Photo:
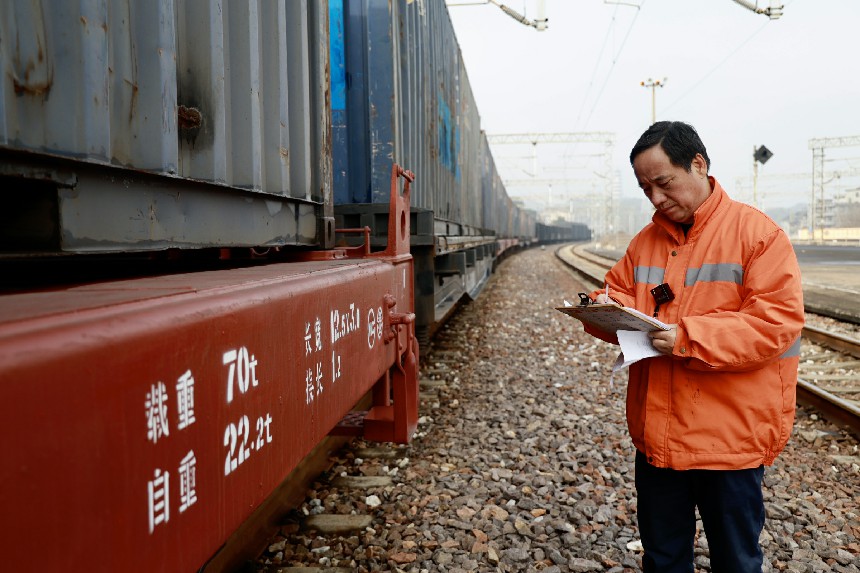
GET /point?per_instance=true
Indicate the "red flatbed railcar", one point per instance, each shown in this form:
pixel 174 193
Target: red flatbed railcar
pixel 143 420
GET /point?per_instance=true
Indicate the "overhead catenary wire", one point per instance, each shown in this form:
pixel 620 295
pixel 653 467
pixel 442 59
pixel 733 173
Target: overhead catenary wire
pixel 597 64
pixel 600 58
pixel 612 67
pixel 718 66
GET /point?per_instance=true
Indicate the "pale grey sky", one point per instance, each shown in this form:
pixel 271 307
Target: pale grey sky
pixel 741 79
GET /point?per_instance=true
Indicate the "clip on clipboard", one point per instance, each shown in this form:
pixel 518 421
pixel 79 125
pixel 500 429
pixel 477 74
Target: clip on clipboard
pixel 612 317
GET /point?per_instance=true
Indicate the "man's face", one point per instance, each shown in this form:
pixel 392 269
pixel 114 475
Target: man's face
pixel 671 189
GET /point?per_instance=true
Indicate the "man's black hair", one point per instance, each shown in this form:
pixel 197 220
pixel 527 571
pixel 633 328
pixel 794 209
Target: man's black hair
pixel 678 139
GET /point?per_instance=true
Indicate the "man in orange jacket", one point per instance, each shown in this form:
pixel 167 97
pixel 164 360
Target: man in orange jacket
pixel 718 404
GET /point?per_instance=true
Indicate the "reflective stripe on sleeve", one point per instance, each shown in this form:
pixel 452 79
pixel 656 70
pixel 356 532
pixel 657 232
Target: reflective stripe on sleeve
pixel 793 350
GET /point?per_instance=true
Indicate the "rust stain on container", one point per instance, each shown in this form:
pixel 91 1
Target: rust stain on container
pixel 133 105
pixel 189 117
pixel 26 87
pixel 30 68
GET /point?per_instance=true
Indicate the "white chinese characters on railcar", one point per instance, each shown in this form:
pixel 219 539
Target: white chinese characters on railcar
pixel 308 348
pixel 185 400
pixel 309 385
pixel 313 383
pixel 313 374
pixel 159 499
pixel 156 412
pixel 157 427
pixel 187 481
pixel 318 334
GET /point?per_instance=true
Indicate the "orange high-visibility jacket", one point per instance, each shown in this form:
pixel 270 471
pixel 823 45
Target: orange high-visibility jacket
pixel 725 399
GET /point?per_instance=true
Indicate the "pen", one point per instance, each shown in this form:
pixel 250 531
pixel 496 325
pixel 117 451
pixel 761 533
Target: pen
pixel 607 291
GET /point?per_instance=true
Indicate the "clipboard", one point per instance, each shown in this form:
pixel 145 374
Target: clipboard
pixel 612 317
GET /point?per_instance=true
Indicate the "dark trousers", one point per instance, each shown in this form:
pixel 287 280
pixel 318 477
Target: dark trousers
pixel 731 507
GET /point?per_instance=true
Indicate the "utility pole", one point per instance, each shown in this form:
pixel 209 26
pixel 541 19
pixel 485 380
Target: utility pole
pixel 653 84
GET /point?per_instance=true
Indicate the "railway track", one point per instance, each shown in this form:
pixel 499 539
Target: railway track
pixel 829 377
pixel 521 446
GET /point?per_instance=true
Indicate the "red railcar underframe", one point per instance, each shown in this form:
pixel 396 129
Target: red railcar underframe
pixel 141 421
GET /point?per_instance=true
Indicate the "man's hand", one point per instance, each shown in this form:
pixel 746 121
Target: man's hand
pixel 664 340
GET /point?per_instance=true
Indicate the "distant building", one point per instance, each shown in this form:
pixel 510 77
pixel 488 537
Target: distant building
pixel 633 214
pixel 846 207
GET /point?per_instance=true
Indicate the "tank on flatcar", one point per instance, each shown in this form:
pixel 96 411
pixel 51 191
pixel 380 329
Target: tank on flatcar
pixel 140 126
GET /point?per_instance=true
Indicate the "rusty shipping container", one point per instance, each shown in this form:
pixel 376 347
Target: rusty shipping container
pixel 129 125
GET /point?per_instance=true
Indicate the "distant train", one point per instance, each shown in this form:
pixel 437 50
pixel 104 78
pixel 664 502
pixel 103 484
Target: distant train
pixel 190 303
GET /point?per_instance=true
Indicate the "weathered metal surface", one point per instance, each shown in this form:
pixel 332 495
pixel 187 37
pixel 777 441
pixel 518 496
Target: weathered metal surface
pixel 141 421
pixel 493 195
pixel 408 98
pixel 234 94
pixel 402 92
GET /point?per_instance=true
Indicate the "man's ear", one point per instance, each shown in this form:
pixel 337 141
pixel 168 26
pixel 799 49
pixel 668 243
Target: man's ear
pixel 699 165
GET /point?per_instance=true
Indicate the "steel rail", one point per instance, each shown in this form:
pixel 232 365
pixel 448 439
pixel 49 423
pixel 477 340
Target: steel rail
pixel 845 412
pixel 833 340
pixel 833 407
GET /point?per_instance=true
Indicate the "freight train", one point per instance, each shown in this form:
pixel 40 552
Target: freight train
pixel 212 260
pixel 417 107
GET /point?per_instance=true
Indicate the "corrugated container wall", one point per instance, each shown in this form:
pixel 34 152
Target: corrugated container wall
pixel 491 188
pixel 528 223
pixel 470 154
pixel 231 94
pixel 407 99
